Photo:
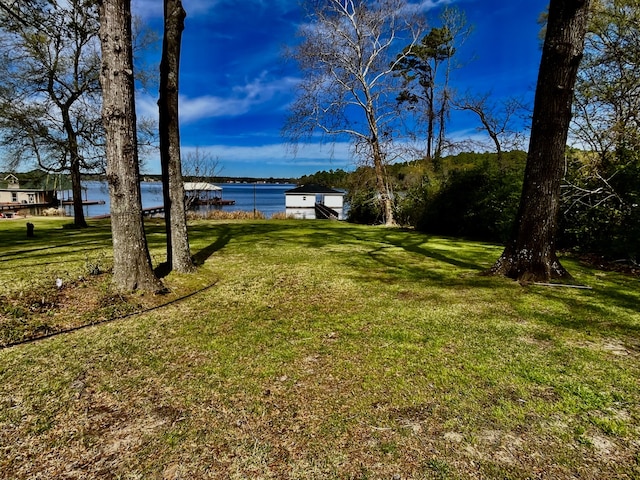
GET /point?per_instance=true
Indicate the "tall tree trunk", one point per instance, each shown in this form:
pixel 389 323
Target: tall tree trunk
pixel 386 202
pixel 74 171
pixel 531 253
pixel 76 189
pixel 431 120
pixel 131 261
pixel 178 253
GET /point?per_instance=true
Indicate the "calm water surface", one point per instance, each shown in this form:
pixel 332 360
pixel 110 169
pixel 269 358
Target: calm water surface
pixel 266 198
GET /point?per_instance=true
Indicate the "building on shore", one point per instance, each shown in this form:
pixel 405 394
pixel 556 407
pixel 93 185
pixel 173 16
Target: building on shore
pixel 14 199
pixel 314 202
pixel 203 193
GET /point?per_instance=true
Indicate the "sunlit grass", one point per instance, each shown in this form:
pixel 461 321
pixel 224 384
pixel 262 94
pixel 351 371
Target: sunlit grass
pixel 327 350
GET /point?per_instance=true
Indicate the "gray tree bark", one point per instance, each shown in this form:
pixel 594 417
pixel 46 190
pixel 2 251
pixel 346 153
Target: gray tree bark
pixel 531 253
pixel 178 253
pixel 131 261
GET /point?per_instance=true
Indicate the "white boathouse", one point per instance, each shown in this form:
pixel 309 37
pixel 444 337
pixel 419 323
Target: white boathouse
pixel 314 201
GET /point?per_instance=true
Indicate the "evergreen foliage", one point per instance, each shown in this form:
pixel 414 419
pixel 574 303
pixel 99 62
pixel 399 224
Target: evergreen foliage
pixel 471 195
pixel 332 178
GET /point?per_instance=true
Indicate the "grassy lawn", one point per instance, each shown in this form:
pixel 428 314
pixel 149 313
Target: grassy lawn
pixel 311 350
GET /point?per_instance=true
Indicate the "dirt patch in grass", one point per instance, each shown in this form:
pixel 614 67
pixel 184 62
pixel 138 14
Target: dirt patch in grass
pixel 45 310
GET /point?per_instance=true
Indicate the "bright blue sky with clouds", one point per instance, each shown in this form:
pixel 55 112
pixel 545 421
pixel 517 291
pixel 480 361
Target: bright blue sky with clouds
pixel 235 88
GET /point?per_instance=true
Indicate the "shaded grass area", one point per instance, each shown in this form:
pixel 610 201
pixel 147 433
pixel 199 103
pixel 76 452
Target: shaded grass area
pixel 325 350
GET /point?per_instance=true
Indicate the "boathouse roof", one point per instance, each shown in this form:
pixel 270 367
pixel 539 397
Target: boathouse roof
pixel 200 187
pixel 312 189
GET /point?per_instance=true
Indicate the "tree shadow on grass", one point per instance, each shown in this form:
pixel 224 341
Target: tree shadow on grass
pixel 314 235
pixel 417 243
pixel 595 311
pixel 203 254
pixel 420 250
pixel 53 243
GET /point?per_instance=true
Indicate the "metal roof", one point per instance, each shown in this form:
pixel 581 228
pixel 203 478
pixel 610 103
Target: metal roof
pixel 313 189
pixel 200 187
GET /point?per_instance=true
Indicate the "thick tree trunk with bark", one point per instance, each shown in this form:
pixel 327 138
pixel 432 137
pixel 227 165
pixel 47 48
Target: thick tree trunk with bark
pixel 74 171
pixel 178 253
pixel 531 253
pixel 76 189
pixel 131 261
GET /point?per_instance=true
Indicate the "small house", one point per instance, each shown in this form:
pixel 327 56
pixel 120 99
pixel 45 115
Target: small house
pixel 314 201
pixel 13 198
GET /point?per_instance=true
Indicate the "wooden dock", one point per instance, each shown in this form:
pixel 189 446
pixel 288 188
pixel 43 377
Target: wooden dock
pixel 146 212
pixel 84 202
pixel 14 207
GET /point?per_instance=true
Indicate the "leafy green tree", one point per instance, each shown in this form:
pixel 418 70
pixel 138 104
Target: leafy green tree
pixel 362 197
pixel 332 178
pixel 478 201
pixel 425 69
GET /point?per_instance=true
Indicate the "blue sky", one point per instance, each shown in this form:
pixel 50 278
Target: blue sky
pixel 235 87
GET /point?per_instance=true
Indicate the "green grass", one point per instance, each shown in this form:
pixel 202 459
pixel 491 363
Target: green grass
pixel 324 350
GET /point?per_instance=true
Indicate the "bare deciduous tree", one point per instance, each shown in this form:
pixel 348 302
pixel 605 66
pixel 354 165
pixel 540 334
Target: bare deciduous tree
pixel 496 120
pixel 50 95
pixel 347 56
pixel 606 118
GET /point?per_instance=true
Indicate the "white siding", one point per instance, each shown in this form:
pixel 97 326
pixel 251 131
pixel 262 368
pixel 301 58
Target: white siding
pixel 22 196
pixel 300 201
pixel 334 201
pixel 301 213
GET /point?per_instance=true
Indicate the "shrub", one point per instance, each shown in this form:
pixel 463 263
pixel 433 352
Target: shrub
pixel 364 207
pixel 602 217
pixel 479 203
pixel 225 215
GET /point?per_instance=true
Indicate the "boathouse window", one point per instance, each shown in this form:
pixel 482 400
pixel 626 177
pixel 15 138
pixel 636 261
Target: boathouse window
pixel 14 196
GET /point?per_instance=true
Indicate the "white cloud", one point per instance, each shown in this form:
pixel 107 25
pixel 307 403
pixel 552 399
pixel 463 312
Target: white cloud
pixel 426 5
pixel 155 9
pixel 279 153
pixel 194 109
pixel 241 100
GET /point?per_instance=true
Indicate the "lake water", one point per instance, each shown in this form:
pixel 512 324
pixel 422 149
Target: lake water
pixel 266 198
